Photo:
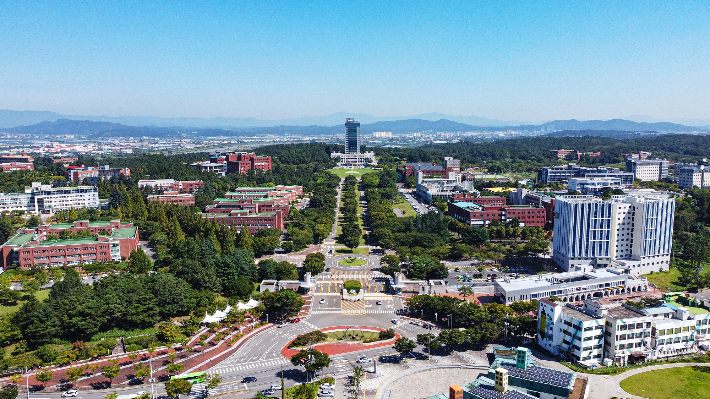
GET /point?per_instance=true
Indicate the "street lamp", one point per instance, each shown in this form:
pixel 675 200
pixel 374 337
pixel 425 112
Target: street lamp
pixel 267 318
pixel 451 321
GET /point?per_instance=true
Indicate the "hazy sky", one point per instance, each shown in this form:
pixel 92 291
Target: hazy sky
pixel 526 60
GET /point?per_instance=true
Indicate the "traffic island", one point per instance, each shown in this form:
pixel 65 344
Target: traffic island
pixel 339 340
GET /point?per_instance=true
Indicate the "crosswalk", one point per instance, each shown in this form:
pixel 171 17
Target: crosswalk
pixel 251 365
pixel 354 312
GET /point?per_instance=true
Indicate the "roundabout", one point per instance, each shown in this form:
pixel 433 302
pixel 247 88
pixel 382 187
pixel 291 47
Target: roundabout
pixel 346 339
pixel 352 262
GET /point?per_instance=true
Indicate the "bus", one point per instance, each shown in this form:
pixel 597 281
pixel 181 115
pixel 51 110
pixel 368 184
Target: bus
pixel 194 378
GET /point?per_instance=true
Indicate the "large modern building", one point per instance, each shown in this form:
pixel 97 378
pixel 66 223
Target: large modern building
pixel 173 198
pixel 648 169
pixel 570 287
pixel 240 162
pixel 352 157
pixel 53 244
pixel 523 196
pixel 243 162
pixel 594 185
pixel 474 214
pixel 17 158
pixel 186 186
pixel 634 231
pixel 693 176
pixel 561 173
pixel 352 136
pixel 45 198
pixel 13 166
pixel 573 332
pixel 257 207
pixel 442 188
pixel 93 174
pixel 620 334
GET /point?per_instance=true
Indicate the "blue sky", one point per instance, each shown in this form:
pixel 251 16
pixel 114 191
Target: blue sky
pixel 507 60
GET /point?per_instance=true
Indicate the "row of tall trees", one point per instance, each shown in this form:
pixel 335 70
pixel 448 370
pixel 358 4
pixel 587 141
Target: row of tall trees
pixel 351 232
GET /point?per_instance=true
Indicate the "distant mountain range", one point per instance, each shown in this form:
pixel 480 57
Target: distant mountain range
pixel 624 128
pixel 97 128
pixel 10 118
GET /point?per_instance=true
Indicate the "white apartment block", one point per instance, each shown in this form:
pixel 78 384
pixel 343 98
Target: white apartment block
pixel 15 202
pixel 52 199
pixel 574 333
pixel 634 231
pixel 648 169
pixel 694 176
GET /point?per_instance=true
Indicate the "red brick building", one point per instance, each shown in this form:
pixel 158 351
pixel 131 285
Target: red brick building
pixel 258 207
pixel 254 221
pixel 243 162
pixel 427 168
pixel 17 158
pixel 31 248
pixel 10 166
pixel 286 194
pixel 77 174
pixel 184 186
pixel 487 200
pixel 174 198
pixel 478 215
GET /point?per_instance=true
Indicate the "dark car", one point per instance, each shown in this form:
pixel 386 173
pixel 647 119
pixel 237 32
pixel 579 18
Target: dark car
pixel 249 379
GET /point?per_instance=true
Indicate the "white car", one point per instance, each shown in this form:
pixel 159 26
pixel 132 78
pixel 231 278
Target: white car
pixel 322 300
pixel 394 321
pixel 275 387
pixel 364 360
pixel 70 393
pixel 327 385
pixel 322 394
pixel 282 325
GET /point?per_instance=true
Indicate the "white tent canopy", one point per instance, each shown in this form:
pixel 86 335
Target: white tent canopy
pixel 218 316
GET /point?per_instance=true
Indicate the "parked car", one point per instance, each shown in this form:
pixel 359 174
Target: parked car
pixel 379 302
pixel 249 379
pixel 267 392
pixel 416 323
pixel 364 359
pixel 327 385
pixel 282 324
pixel 322 300
pixel 322 394
pixel 276 387
pixel 70 393
pixel 296 320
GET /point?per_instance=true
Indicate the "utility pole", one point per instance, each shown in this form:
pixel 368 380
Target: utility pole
pixel 451 321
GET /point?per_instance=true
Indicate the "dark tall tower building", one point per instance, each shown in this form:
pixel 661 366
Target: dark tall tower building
pixel 352 136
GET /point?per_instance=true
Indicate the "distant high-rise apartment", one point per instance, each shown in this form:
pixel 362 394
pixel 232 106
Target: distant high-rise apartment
pixel 632 231
pixel 352 136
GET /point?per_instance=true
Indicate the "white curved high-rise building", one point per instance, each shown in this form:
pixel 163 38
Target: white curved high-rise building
pixel 633 230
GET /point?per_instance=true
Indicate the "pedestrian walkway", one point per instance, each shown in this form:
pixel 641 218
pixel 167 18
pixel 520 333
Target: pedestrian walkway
pixel 250 365
pixel 352 308
pixel 367 311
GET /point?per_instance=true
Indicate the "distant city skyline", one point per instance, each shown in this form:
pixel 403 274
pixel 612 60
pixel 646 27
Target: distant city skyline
pixel 512 61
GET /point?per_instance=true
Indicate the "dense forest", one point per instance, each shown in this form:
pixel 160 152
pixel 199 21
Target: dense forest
pixel 529 154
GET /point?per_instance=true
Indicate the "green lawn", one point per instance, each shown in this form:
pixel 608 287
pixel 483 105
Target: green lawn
pixel 666 280
pixel 679 382
pixel 347 251
pixel 340 172
pixel 40 295
pixel 406 209
pixel 352 262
